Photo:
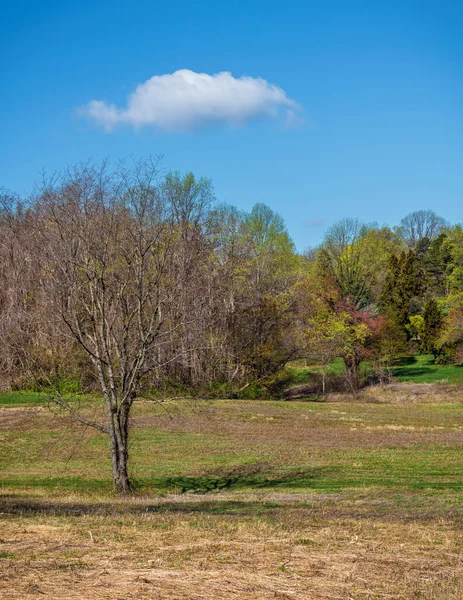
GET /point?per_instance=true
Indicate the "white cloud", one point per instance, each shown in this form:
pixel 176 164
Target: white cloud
pixel 187 100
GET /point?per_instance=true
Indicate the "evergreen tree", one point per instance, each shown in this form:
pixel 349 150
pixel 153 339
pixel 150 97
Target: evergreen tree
pixel 435 262
pixel 432 326
pixel 403 284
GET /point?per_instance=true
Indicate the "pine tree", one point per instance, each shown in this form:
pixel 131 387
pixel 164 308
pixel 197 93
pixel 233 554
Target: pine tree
pixel 433 321
pixel 403 283
pixel 435 262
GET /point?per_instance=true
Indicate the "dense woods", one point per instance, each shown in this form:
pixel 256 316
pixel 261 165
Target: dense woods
pixel 131 282
pixel 143 279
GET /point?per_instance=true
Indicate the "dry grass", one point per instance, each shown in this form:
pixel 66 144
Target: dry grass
pixel 177 547
pixel 363 527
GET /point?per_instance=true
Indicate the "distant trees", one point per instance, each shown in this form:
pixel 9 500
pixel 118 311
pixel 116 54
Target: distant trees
pixel 26 321
pixel 432 326
pixel 341 256
pixel 450 342
pixel 188 201
pixel 402 287
pixel 137 279
pixel 332 327
pixel 136 282
pixel 319 327
pixel 262 323
pixel 418 225
pixel 451 267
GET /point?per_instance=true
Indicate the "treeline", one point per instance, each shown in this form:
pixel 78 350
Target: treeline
pixel 139 282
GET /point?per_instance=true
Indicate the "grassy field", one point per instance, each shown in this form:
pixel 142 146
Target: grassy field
pixel 413 369
pixel 350 498
pixel 421 369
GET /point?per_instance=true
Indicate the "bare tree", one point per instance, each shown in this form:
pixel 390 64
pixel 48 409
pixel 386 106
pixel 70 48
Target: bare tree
pixel 190 200
pixel 107 238
pixel 18 286
pixel 418 225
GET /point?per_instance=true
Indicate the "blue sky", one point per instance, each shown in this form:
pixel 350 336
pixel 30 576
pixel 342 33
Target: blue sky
pixel 379 85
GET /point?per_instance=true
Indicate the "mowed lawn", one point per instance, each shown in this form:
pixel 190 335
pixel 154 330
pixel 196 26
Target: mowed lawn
pixel 356 498
pixel 421 369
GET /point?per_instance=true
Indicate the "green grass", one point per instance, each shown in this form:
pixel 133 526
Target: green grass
pixel 415 369
pixel 40 399
pixel 22 398
pixel 421 369
pixel 249 445
pixel 304 374
pixel 358 498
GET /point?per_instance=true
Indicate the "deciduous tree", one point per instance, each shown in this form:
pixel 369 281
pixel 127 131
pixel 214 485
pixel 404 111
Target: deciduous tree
pixel 107 244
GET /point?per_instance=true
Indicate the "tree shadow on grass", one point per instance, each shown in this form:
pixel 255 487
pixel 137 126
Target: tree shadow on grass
pixel 413 371
pixel 404 360
pixel 251 477
pixel 247 477
pixel 254 476
pixel 317 511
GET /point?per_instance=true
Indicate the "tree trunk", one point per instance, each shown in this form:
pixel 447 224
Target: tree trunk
pixel 352 366
pixel 119 434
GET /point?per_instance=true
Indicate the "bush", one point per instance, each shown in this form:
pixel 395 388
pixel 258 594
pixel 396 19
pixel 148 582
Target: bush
pixel 64 384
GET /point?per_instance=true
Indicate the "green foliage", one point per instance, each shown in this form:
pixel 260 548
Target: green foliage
pixel 403 284
pixel 452 247
pixel 416 327
pixel 60 382
pixel 436 262
pixel 432 325
pixel 450 342
pixel 252 391
pixel 341 256
pixel 219 389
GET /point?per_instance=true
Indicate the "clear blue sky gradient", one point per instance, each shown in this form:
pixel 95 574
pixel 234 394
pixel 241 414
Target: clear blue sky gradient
pixel 381 84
